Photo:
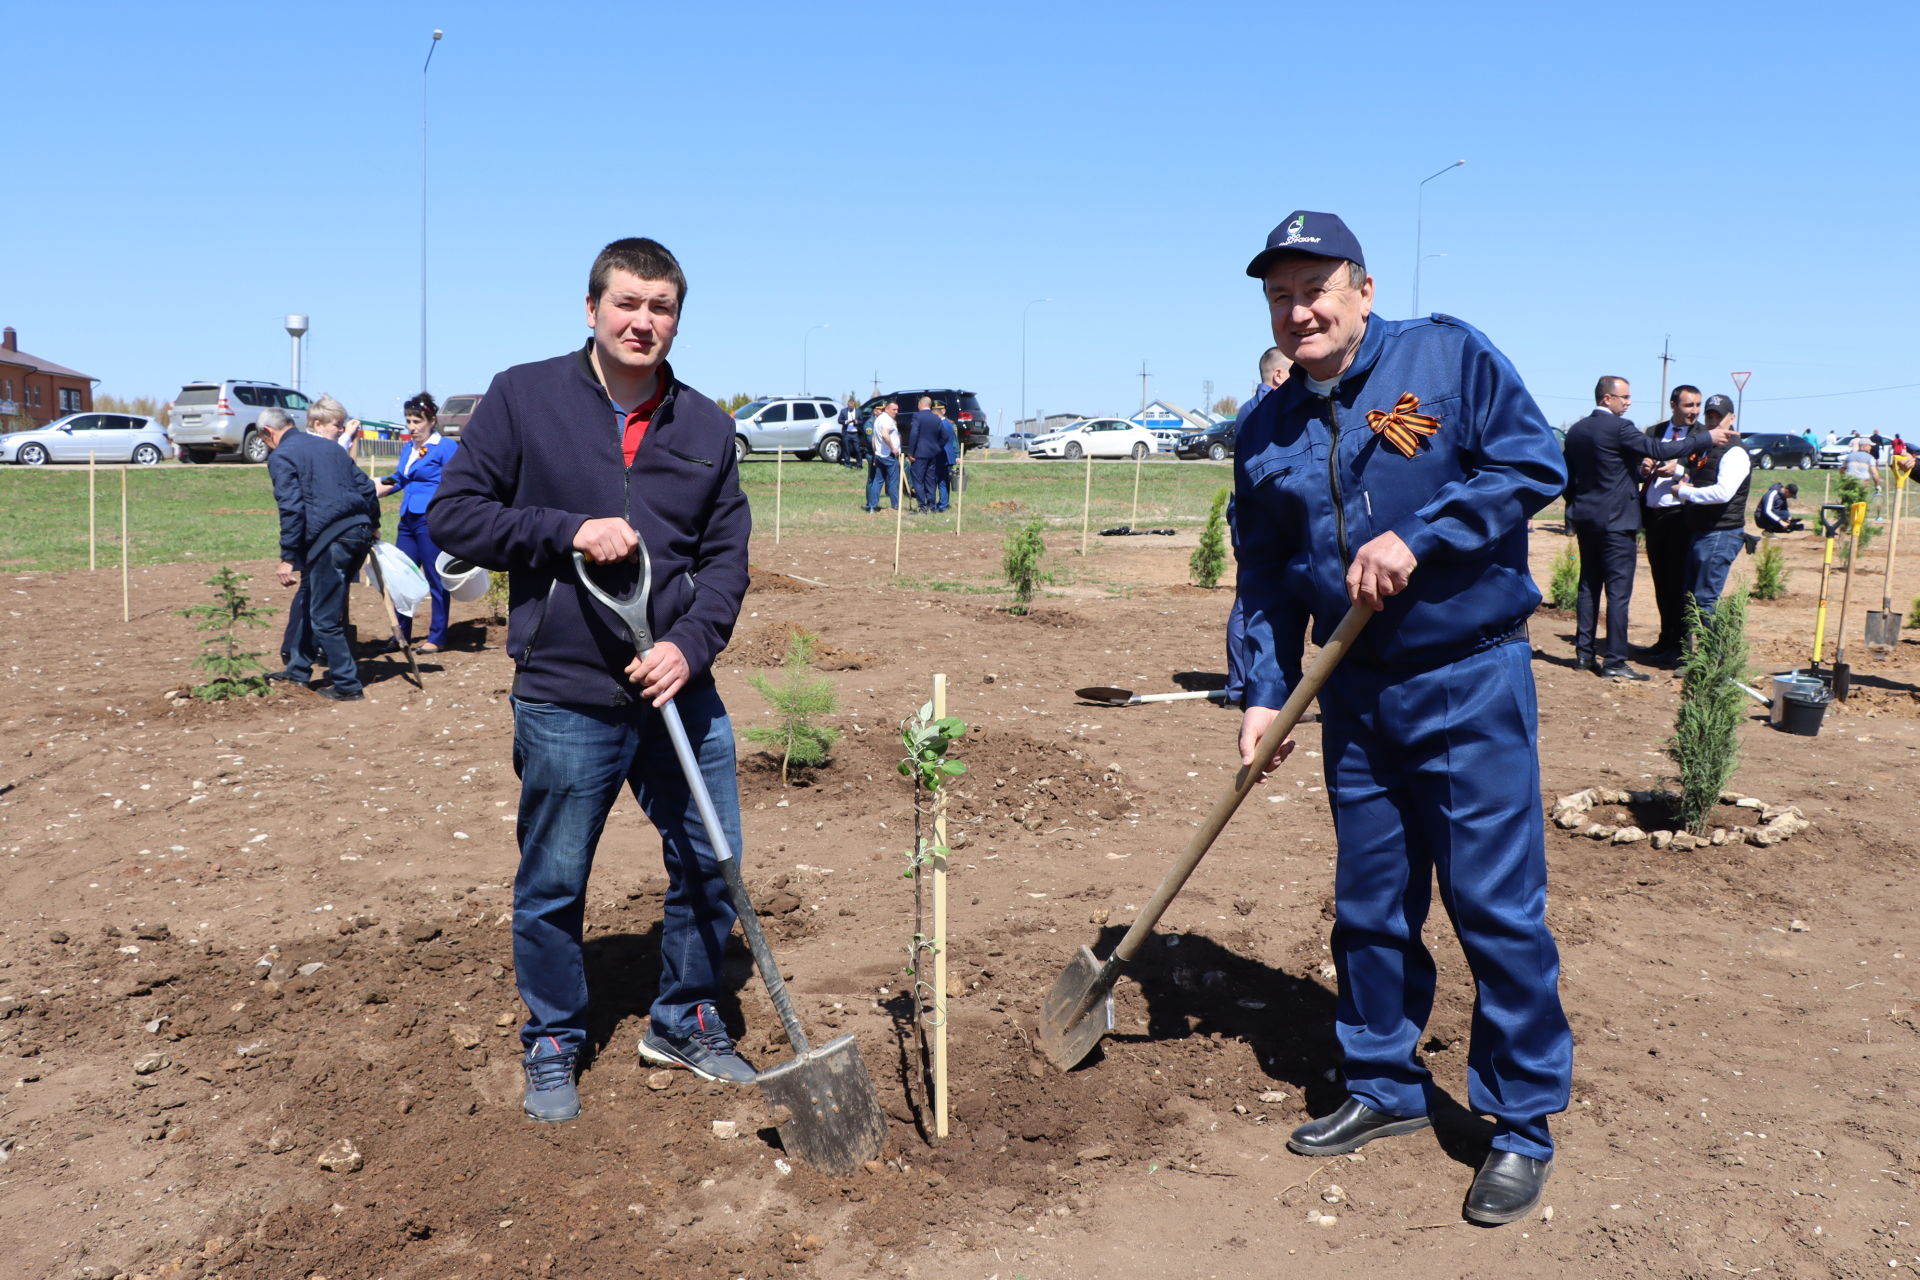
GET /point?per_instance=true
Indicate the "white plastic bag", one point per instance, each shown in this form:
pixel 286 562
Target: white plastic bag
pixel 405 583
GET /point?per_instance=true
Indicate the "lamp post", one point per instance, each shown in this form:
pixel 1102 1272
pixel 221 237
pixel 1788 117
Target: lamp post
pixel 1419 216
pixel 1023 353
pixel 804 389
pixel 435 44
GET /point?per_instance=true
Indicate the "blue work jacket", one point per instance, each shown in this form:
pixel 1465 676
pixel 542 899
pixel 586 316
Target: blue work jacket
pixel 418 475
pixel 1313 483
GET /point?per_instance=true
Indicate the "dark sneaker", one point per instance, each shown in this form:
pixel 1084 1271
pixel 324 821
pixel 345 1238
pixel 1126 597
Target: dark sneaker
pixel 708 1052
pixel 332 693
pixel 551 1094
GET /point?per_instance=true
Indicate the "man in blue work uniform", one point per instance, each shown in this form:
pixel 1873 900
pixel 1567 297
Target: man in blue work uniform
pixel 1396 469
pixel 1274 367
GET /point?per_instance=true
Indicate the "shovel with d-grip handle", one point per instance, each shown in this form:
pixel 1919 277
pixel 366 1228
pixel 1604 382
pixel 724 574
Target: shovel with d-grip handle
pixel 393 617
pixel 1883 624
pixel 834 1118
pixel 1842 673
pixel 1832 516
pixel 1079 1009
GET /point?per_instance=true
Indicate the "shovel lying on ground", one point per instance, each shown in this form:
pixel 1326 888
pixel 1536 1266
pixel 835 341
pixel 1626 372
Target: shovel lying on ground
pixel 1883 624
pixel 1079 1009
pixel 1110 697
pixel 834 1119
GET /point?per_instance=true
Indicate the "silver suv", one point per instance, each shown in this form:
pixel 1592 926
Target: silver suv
pixel 215 418
pixel 803 426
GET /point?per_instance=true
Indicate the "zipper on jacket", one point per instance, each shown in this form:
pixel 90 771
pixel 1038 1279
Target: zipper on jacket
pixel 1333 485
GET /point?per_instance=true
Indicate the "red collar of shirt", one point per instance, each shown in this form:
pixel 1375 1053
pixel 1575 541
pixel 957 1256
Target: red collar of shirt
pixel 638 420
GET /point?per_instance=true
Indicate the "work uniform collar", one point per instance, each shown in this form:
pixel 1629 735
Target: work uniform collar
pixel 1294 391
pixel 669 385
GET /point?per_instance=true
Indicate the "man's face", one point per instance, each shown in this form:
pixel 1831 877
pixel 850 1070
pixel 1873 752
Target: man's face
pixel 634 323
pixel 1318 318
pixel 1620 399
pixel 1715 417
pixel 1686 408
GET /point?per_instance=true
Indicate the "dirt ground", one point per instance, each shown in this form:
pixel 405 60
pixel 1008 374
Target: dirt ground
pixel 245 942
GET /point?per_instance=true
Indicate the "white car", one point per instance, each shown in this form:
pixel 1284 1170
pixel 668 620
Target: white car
pixel 109 437
pixel 1095 438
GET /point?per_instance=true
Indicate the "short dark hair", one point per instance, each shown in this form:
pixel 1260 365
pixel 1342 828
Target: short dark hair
pixel 648 259
pixel 1673 401
pixel 422 406
pixel 1607 386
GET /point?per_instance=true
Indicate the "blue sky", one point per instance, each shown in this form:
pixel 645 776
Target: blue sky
pixel 1741 178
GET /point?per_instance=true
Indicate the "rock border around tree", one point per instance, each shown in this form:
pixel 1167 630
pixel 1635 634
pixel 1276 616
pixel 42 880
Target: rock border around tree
pixel 1775 823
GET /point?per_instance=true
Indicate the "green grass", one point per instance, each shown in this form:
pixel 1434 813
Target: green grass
pixel 217 514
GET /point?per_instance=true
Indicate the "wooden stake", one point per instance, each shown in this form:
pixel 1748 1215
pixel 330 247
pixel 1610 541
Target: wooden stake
pixel 92 560
pixel 1134 519
pixel 777 456
pixel 1086 506
pixel 940 934
pixel 899 512
pixel 126 593
pixel 960 492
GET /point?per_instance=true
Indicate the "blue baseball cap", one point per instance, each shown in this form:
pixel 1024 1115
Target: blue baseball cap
pixel 1317 235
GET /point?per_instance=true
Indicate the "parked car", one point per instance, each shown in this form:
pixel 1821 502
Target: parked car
pixel 1216 442
pixel 109 437
pixel 963 411
pixel 212 419
pixel 1832 455
pixel 455 412
pixel 1095 438
pixel 805 426
pixel 1771 449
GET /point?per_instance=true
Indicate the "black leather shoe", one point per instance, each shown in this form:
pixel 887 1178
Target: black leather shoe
pixel 1507 1187
pixel 1621 671
pixel 1351 1127
pixel 331 694
pixel 284 674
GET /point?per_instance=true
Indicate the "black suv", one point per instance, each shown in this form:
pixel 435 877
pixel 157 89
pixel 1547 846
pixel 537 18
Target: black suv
pixel 1216 442
pixel 963 411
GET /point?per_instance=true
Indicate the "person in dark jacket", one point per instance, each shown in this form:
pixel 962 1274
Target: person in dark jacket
pixel 328 516
pixel 925 441
pixel 423 459
pixel 1663 523
pixel 1775 514
pixel 1715 492
pixel 1603 453
pixel 592 452
pixel 850 434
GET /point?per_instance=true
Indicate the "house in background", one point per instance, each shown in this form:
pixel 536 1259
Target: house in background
pixel 35 391
pixel 1168 422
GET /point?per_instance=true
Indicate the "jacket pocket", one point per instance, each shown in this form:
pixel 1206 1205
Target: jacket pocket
pixel 687 457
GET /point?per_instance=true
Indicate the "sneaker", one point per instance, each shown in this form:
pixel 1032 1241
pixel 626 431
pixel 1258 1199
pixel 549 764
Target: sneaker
pixel 551 1095
pixel 708 1052
pixel 333 693
pixel 286 674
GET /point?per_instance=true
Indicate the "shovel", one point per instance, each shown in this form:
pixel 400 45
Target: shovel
pixel 1079 1009
pixel 834 1119
pixel 1110 697
pixel 1842 673
pixel 393 618
pixel 1883 624
pixel 1831 516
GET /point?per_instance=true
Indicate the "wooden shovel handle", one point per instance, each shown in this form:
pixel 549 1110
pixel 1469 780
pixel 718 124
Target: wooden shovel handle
pixel 1244 782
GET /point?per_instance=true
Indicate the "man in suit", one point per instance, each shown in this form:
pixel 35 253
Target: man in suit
pixel 1665 522
pixel 925 439
pixel 1603 452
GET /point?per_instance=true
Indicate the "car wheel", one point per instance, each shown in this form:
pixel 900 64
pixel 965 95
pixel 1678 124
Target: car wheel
pixel 829 451
pixel 1806 462
pixel 1217 451
pixel 1766 461
pixel 1140 450
pixel 32 455
pixel 1072 450
pixel 146 456
pixel 254 447
pixel 740 450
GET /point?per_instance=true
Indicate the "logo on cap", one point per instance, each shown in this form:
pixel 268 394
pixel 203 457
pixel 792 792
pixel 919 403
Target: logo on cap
pixel 1299 221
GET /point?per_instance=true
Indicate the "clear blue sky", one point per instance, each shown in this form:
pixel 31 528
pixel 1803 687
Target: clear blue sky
pixel 1740 177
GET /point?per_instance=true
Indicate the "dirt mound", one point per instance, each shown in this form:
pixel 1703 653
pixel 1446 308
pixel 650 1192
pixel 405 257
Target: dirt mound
pixel 766 646
pixel 759 579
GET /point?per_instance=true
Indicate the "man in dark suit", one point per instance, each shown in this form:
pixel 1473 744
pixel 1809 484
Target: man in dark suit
pixel 1664 519
pixel 925 439
pixel 1603 452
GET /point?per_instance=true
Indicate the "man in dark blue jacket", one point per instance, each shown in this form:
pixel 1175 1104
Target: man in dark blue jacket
pixel 593 451
pixel 328 515
pixel 1395 470
pixel 1603 456
pixel 925 440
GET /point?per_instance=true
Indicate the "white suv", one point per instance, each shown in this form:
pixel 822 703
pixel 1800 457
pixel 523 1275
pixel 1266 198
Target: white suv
pixel 803 426
pixel 215 418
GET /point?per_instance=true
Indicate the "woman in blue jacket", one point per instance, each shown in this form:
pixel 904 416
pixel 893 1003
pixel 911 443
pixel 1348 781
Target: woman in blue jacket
pixel 418 475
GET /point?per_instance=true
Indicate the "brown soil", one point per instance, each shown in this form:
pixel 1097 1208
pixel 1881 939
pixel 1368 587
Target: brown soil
pixel 238 935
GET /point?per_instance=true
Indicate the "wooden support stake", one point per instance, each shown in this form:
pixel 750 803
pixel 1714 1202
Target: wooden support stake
pixel 940 934
pixel 777 456
pixel 1086 506
pixel 1134 520
pixel 960 492
pixel 899 512
pixel 126 592
pixel 92 542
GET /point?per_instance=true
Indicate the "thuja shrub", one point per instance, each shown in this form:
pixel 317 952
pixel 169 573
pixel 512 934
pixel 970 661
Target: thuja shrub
pixel 1209 559
pixel 1706 729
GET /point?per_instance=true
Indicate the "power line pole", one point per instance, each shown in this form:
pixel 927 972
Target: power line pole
pixel 1665 360
pixel 876 382
pixel 1143 386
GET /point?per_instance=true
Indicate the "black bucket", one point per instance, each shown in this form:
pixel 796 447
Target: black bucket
pixel 1804 710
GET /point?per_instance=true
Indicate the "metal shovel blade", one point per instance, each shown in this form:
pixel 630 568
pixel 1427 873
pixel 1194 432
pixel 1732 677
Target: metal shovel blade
pixel 1078 1011
pixel 835 1122
pixel 1883 628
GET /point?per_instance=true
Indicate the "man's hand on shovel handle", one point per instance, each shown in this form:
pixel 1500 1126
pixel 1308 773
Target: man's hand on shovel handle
pixel 1253 725
pixel 1380 569
pixel 607 540
pixel 661 672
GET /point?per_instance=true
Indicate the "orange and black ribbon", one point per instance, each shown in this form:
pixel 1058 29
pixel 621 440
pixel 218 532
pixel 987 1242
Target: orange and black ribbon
pixel 1403 428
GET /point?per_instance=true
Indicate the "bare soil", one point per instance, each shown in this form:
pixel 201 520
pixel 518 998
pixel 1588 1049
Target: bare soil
pixel 241 938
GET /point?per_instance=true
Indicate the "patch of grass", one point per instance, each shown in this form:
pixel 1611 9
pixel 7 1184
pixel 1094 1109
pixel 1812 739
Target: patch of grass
pixel 215 513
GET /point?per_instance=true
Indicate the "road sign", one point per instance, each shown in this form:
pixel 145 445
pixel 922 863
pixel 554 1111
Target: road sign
pixel 1740 381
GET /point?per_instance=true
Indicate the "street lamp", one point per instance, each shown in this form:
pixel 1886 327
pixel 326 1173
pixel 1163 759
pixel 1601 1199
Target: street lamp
pixel 803 358
pixel 1418 216
pixel 423 206
pixel 1023 353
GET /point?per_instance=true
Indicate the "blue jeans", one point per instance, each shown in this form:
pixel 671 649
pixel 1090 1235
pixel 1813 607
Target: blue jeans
pixel 319 628
pixel 572 761
pixel 1708 561
pixel 417 545
pixel 883 475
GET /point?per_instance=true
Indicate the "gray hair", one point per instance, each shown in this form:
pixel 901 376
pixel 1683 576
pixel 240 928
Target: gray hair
pixel 276 419
pixel 327 409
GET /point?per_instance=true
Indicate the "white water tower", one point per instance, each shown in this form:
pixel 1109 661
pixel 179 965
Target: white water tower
pixel 297 328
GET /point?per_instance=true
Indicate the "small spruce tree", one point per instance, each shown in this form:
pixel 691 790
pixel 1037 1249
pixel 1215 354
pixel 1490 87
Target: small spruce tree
pixel 235 674
pixel 1209 559
pixel 1020 560
pixel 1564 591
pixel 798 700
pixel 1706 730
pixel 1769 571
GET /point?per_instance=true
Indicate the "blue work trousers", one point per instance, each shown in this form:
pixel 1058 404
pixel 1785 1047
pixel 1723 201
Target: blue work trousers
pixel 320 628
pixel 572 761
pixel 1708 561
pixel 883 476
pixel 417 545
pixel 1435 775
